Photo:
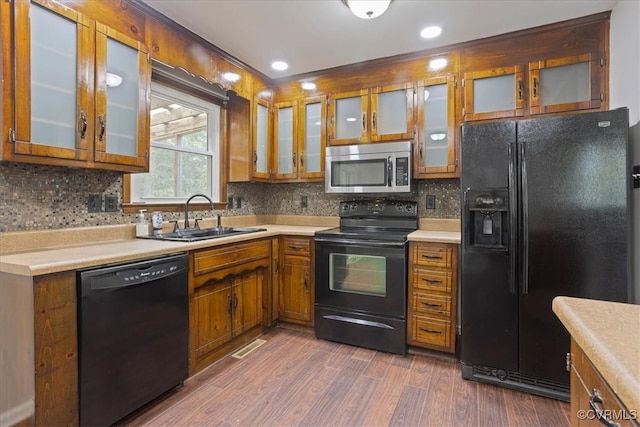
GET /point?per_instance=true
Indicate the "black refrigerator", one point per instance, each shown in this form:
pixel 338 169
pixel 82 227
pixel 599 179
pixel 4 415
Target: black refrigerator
pixel 546 211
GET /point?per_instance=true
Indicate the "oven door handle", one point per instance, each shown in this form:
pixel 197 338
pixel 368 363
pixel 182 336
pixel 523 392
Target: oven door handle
pixel 362 242
pixel 389 172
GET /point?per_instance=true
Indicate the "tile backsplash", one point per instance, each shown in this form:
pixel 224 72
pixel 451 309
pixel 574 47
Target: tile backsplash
pixel 42 197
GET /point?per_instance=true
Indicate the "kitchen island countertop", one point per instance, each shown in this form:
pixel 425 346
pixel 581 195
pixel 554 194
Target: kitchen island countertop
pixel 609 334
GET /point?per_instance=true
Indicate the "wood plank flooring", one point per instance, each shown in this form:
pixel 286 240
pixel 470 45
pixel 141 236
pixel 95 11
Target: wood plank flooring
pixel 295 379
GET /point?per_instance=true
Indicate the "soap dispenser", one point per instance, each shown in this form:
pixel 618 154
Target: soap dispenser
pixel 142 228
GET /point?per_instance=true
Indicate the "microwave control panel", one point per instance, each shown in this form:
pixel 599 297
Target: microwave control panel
pixel 402 171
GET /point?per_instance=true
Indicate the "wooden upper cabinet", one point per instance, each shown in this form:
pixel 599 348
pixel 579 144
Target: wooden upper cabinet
pixel 261 136
pixel 391 115
pixel 299 134
pixel 53 81
pixel 285 140
pixel 121 94
pixel 65 107
pixel 371 115
pixel 348 117
pixel 565 84
pixel 435 150
pixel 494 94
pixel 312 131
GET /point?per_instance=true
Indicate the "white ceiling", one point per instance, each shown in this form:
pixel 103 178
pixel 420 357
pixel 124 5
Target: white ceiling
pixel 313 35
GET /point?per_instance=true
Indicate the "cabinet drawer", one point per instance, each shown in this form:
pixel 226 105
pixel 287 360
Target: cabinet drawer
pixel 433 255
pixel 296 246
pixel 431 280
pixel 223 257
pixel 429 330
pixel 430 304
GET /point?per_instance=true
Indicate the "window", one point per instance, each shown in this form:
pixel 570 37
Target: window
pixel 185 149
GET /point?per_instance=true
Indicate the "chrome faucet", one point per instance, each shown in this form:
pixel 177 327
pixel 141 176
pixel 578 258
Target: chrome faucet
pixel 186 208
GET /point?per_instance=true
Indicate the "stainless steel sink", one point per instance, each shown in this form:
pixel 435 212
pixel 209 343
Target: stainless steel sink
pixel 195 234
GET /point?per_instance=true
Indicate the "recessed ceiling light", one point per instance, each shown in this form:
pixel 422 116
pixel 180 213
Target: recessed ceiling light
pixel 437 64
pixel 231 77
pixel 174 106
pixel 279 65
pixel 431 32
pixel 308 86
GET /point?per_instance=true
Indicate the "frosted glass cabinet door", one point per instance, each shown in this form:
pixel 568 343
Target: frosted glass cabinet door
pixel 285 143
pixel 122 85
pixel 565 84
pixel 348 113
pixel 391 116
pixel 122 100
pixel 495 93
pixel 52 111
pixel 261 139
pixel 313 135
pixel 436 145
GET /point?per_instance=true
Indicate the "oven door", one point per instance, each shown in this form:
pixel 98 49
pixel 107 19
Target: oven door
pixel 362 276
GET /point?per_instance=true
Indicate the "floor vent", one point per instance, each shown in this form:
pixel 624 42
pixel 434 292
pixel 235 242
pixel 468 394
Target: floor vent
pixel 248 349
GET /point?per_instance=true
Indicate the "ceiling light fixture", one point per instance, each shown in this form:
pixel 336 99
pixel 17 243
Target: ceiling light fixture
pixel 367 9
pixel 279 65
pixel 431 32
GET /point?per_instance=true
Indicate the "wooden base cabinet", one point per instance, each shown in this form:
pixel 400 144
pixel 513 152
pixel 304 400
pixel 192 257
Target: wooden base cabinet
pixel 587 386
pixel 227 287
pixel 432 295
pixel 296 280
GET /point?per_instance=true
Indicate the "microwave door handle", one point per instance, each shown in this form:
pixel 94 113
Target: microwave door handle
pixel 389 171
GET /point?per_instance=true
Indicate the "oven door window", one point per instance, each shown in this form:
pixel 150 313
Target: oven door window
pixel 358 274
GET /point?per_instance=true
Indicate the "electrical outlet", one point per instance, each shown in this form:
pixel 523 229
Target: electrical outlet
pixel 110 203
pixel 230 202
pixel 431 201
pixel 94 203
pixel 303 202
pixel 238 202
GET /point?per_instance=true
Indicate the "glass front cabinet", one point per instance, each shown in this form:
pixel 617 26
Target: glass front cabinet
pixel 261 127
pixel 435 148
pixel 299 139
pixel 494 94
pixel 565 84
pixel 556 85
pixel 371 115
pixel 81 90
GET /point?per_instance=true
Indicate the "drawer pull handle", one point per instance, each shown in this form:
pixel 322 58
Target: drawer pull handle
pixel 594 399
pixel 296 248
pixel 432 256
pixel 431 305
pixel 431 281
pixel 430 331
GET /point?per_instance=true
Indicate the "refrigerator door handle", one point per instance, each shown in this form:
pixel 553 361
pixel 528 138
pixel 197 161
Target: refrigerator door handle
pixel 513 220
pixel 525 221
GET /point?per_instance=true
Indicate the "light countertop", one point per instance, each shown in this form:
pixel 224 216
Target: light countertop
pixel 609 334
pixel 38 253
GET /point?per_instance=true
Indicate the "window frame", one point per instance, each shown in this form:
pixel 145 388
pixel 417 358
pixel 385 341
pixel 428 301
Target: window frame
pixel 176 206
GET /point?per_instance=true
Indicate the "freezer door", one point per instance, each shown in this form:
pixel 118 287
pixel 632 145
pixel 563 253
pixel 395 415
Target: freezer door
pixel 489 301
pixel 575 222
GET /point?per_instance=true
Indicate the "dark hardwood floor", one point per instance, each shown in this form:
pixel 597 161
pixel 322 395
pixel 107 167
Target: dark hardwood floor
pixel 295 379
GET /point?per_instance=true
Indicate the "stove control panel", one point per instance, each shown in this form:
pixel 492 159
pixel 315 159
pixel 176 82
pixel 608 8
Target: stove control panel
pixel 379 207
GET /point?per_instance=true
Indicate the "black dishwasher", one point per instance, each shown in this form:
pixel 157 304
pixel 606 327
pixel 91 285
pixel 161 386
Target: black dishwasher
pixel 133 335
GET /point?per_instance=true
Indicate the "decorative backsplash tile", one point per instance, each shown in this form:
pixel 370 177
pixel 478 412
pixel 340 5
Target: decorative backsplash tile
pixel 41 197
